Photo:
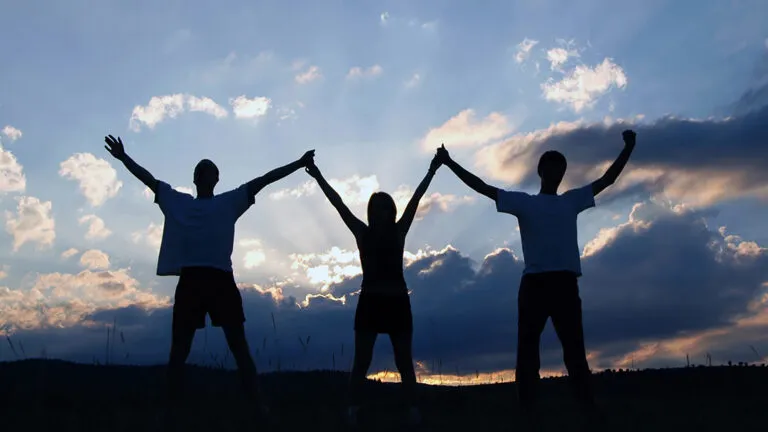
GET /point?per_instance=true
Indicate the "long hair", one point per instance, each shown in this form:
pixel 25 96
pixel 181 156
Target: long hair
pixel 382 212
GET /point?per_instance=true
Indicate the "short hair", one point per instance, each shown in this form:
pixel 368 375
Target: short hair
pixel 205 163
pixel 552 158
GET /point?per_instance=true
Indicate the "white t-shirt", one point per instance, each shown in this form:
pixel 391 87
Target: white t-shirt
pixel 198 232
pixel 548 227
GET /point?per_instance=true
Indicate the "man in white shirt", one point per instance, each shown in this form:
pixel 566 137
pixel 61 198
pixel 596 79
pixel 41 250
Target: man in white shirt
pixel 549 286
pixel 198 238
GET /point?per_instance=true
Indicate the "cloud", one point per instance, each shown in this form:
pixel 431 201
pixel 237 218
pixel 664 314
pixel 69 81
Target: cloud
pixel 97 229
pixel 311 74
pixel 583 85
pixel 384 18
pixel 94 260
pixel 98 180
pixel 353 190
pixel 69 253
pixel 56 301
pixel 413 81
pixel 250 108
pixel 559 56
pixel 435 200
pixel 254 255
pixel 12 177
pixel 359 73
pixel 170 106
pixel 524 49
pixel 152 235
pixel 324 269
pixel 705 289
pixel 466 130
pixel 12 133
pixel 680 159
pixel 33 223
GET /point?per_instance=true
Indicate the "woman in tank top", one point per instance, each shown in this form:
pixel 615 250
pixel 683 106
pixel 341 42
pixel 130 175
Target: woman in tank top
pixel 384 305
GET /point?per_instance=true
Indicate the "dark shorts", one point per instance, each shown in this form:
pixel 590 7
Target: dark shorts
pixel 379 313
pixel 206 290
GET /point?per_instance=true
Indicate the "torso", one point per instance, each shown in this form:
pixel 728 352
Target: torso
pixel 381 257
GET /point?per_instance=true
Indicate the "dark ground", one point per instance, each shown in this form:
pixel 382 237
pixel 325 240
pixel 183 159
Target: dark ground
pixel 52 395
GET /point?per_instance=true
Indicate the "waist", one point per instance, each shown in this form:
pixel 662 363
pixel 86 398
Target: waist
pixel 205 272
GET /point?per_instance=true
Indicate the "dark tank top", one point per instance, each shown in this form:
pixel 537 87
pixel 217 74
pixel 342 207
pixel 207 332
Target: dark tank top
pixel 381 256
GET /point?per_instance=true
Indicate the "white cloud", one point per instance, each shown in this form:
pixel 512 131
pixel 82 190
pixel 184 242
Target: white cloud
pixel 170 106
pixel 12 133
pixel 436 200
pixel 371 72
pixel 32 223
pixel 465 130
pixel 59 300
pixel 254 256
pixel 97 230
pixel 12 177
pixel 414 81
pixel 69 253
pixel 311 74
pixel 559 56
pixel 152 235
pixel 98 180
pixel 524 49
pixel 250 108
pixel 205 105
pixel 353 190
pixel 324 269
pixel 582 86
pixel 384 18
pixel 95 259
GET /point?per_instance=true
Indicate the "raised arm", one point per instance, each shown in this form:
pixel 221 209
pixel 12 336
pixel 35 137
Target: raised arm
pixel 353 223
pixel 257 184
pixel 467 177
pixel 404 224
pixel 615 169
pixel 115 148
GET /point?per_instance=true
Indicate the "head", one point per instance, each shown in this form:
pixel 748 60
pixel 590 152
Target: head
pixel 382 210
pixel 552 165
pixel 206 175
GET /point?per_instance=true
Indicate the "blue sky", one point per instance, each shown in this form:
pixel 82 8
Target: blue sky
pixel 374 87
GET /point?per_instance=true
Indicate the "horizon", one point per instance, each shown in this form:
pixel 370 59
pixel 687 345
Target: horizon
pixel 674 254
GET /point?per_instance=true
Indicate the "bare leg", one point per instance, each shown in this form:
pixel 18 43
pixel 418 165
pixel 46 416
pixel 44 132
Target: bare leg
pixel 238 344
pixel 181 344
pixel 364 343
pixel 402 346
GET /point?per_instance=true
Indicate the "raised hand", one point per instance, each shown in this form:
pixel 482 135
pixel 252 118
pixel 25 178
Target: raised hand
pixel 442 154
pixel 629 137
pixel 435 164
pixel 308 158
pixel 115 147
pixel 312 170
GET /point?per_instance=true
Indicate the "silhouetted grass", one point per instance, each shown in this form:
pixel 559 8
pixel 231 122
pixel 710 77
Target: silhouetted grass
pixel 61 396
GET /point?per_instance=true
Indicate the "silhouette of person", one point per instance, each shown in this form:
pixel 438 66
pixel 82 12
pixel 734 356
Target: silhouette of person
pixel 198 237
pixel 384 306
pixel 549 285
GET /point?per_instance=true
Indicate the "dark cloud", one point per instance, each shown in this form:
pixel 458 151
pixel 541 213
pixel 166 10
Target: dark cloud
pixel 701 161
pixel 661 275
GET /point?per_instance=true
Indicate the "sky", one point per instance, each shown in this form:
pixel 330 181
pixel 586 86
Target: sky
pixel 674 254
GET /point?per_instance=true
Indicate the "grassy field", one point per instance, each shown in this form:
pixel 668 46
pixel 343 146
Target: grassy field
pixel 53 395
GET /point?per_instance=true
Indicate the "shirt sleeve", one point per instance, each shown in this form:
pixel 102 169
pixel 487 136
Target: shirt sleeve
pixel 168 198
pixel 511 202
pixel 239 200
pixel 581 198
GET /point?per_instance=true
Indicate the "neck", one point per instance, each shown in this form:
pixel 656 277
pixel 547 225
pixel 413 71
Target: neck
pixel 548 189
pixel 204 192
